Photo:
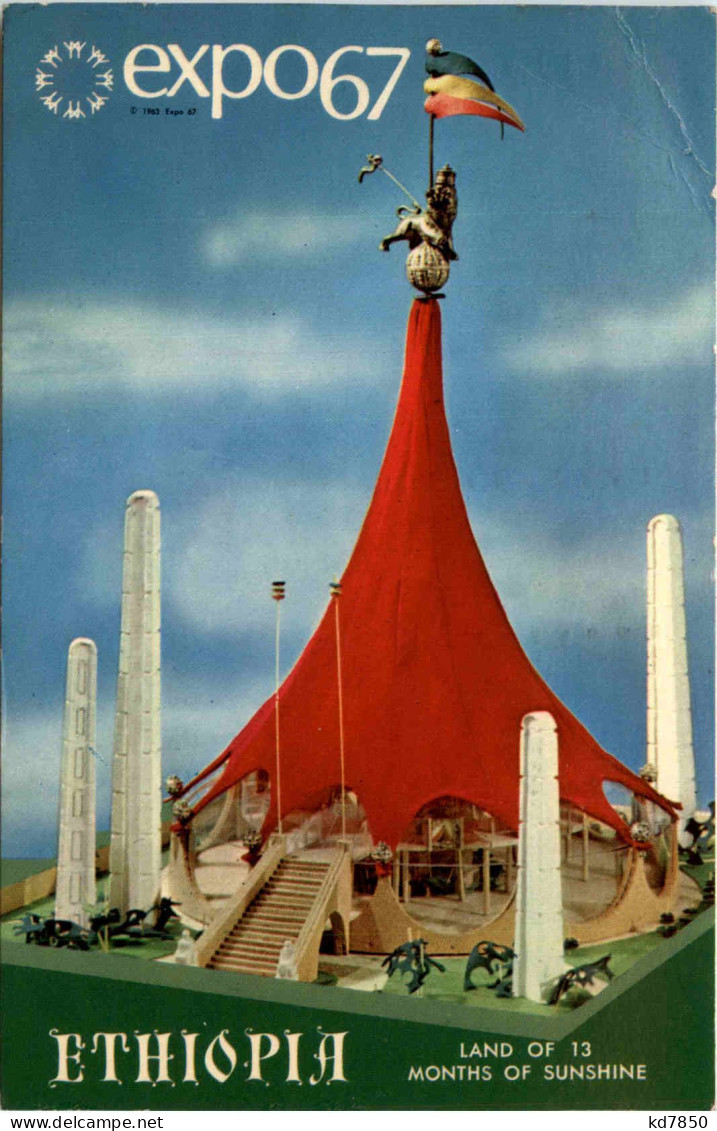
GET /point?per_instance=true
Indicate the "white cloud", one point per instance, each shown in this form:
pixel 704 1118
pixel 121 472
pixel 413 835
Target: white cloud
pixel 196 726
pixel 247 236
pixel 54 348
pixel 32 747
pixel 220 555
pixel 198 722
pixel 626 339
pixel 228 550
pixel 598 579
pixel 545 585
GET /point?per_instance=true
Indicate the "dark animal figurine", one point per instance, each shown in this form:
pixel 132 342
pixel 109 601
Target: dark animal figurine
pixel 134 925
pixel 54 932
pixel 31 926
pixel 483 955
pixel 581 976
pixel 107 919
pixel 411 958
pixel 165 912
pixel 702 833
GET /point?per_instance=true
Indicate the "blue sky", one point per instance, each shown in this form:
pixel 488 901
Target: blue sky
pixel 198 306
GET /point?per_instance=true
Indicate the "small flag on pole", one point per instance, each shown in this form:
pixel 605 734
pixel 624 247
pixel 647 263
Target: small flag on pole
pixel 278 590
pixel 450 94
pixel 440 62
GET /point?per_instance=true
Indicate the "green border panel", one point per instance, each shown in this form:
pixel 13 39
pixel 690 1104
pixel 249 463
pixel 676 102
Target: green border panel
pixel 644 1042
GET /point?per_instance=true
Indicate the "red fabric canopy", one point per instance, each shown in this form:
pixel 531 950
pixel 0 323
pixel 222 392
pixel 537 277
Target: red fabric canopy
pixel 435 681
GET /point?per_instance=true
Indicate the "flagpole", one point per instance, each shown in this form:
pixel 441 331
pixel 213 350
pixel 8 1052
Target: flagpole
pixel 335 587
pixel 277 591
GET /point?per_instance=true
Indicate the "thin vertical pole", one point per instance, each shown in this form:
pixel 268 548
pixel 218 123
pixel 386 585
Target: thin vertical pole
pixel 336 593
pixel 486 880
pixel 586 848
pixel 431 121
pixel 277 592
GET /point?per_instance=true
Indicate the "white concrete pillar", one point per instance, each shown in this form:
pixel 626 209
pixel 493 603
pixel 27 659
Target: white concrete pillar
pixel 669 717
pixel 539 906
pixel 135 845
pixel 75 887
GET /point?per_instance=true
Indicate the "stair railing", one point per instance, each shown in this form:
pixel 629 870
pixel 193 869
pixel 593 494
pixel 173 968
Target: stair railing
pixel 317 911
pixel 231 913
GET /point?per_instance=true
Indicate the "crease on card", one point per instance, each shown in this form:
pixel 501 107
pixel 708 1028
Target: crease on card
pixel 638 50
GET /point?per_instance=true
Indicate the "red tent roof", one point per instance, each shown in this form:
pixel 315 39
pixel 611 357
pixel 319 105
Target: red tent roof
pixel 435 681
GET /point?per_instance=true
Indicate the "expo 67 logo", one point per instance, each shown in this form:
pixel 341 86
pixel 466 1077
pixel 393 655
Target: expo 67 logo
pixel 74 82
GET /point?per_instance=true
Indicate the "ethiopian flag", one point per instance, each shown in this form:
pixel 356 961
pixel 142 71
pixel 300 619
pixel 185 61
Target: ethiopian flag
pixel 449 93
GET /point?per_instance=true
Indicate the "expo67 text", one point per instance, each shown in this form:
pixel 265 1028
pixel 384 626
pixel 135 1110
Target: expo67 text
pixel 289 72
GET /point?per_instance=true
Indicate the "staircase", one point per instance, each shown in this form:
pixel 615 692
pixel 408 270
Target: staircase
pixel 276 914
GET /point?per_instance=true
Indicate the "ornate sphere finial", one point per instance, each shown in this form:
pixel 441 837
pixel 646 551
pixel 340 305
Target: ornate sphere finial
pixel 426 268
pixel 434 46
pixel 640 832
pixel 182 812
pixel 174 785
pixel 382 853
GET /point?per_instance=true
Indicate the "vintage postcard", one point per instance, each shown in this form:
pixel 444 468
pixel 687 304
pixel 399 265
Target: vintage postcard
pixel 358 464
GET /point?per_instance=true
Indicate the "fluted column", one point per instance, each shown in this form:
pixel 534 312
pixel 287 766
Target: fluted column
pixel 75 888
pixel 135 847
pixel 539 907
pixel 669 716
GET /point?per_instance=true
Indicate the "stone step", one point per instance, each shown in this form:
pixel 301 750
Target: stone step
pixel 306 875
pixel 233 968
pixel 304 865
pixel 273 944
pixel 310 881
pixel 277 895
pixel 298 877
pixel 292 907
pixel 272 934
pixel 271 921
pixel 300 887
pixel 255 938
pixel 296 881
pixel 247 966
pixel 270 954
pixel 274 926
pixel 278 905
pixel 280 898
pixel 263 923
pixel 241 955
pixel 284 892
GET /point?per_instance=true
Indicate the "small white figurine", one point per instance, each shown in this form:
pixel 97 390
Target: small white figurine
pixel 185 954
pixel 286 966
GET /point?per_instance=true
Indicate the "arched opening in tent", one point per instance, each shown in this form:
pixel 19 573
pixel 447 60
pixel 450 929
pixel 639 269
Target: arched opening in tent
pixel 235 815
pixel 594 860
pixel 650 825
pixel 226 833
pixel 455 866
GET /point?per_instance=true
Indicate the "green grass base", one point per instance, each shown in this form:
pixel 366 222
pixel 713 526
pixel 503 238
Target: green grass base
pixel 147 949
pixel 448 987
